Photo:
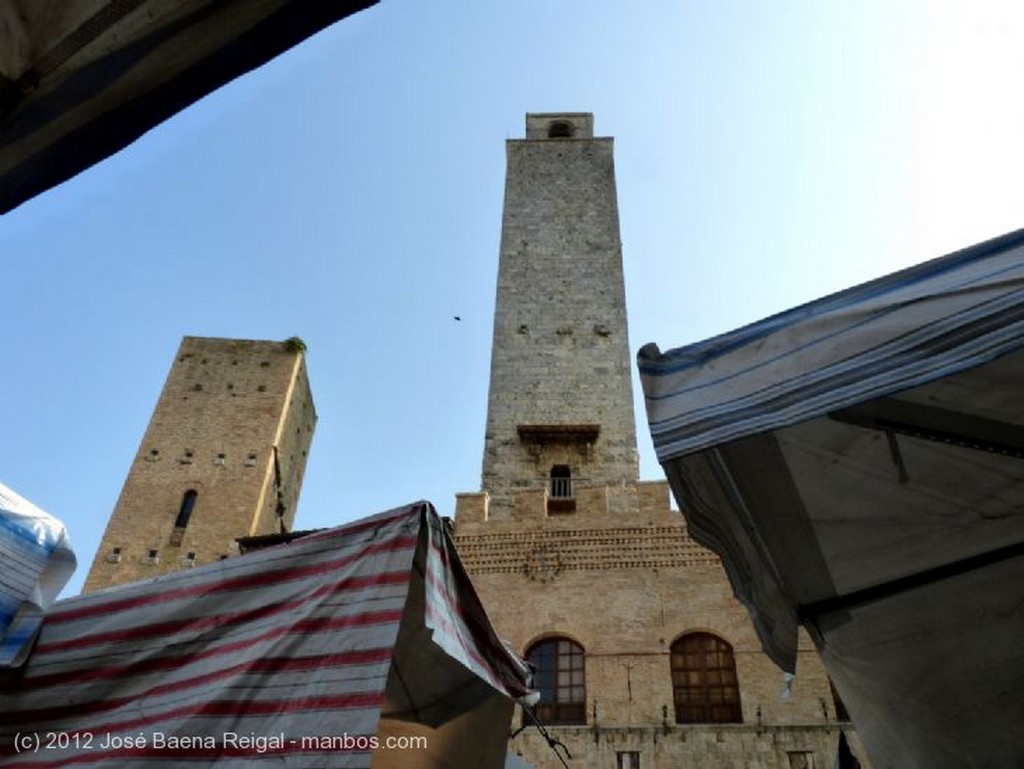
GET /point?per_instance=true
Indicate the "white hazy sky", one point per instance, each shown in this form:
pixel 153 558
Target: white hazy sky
pixel 350 193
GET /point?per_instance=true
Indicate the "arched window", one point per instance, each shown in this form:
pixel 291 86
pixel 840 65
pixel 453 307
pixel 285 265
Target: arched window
pixel 705 689
pixel 560 129
pixel 558 665
pixel 188 502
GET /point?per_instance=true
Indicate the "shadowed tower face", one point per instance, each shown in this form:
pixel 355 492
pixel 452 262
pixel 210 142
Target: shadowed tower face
pixel 223 457
pixel 560 409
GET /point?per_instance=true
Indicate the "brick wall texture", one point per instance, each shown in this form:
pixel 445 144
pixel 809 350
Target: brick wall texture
pixel 233 424
pixel 625 587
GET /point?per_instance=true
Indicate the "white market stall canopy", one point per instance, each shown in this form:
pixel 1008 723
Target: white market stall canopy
pixel 37 561
pixel 299 655
pixel 858 463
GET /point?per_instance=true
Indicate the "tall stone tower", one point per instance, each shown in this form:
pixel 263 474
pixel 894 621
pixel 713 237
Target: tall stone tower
pixel 643 657
pixel 223 457
pixel 560 412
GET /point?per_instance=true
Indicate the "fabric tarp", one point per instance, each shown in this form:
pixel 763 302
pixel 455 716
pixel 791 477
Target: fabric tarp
pixel 37 562
pixel 309 654
pixel 858 463
pixel 80 79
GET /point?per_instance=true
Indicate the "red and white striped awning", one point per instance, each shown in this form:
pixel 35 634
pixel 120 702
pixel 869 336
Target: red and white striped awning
pixel 321 652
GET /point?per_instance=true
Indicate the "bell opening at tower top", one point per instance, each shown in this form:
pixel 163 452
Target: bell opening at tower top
pixel 560 129
pixel 560 125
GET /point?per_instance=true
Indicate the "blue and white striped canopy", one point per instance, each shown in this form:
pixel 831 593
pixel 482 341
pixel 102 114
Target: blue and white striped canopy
pixel 858 464
pixel 878 338
pixel 37 562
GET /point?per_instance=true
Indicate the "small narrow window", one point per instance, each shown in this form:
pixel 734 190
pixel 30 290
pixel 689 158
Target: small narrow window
pixel 627 759
pixel 561 482
pixel 188 503
pixel 152 556
pixel 560 493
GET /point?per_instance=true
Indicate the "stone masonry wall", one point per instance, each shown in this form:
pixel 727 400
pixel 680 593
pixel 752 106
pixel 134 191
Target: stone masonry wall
pixel 560 354
pixel 625 587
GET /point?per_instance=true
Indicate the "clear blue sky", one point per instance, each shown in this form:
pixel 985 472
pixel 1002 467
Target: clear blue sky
pixel 350 193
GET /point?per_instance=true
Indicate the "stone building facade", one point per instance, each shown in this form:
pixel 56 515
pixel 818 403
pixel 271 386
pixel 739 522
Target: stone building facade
pixel 223 457
pixel 644 658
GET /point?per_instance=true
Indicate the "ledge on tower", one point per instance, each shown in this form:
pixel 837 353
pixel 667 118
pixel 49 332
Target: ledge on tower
pixel 565 433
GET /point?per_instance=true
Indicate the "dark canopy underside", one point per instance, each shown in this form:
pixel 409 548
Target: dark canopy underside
pixel 858 462
pixel 80 79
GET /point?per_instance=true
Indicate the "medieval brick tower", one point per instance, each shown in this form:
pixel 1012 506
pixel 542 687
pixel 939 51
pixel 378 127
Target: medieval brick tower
pixel 643 657
pixel 223 457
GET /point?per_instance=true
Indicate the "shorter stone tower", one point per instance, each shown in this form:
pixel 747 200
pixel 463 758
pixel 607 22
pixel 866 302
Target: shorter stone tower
pixel 223 457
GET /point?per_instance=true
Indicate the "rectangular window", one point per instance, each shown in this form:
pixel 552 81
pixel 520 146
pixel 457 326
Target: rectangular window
pixel 627 759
